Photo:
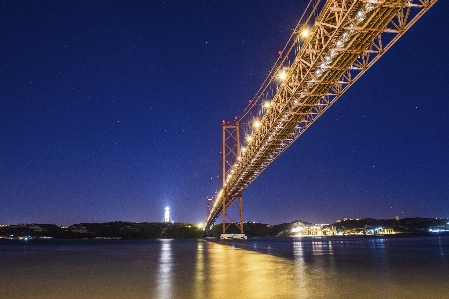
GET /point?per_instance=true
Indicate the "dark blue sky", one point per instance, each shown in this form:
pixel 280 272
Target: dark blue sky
pixel 112 110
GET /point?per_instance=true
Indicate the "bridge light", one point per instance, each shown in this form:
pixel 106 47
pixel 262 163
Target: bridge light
pixel 282 75
pixel 305 33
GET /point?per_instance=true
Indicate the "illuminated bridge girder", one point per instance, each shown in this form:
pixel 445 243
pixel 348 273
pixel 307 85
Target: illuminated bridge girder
pixel 347 38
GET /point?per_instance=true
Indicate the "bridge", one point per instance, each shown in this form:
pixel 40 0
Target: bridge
pixel 334 43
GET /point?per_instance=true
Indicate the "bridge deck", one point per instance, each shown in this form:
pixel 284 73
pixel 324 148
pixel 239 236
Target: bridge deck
pixel 346 39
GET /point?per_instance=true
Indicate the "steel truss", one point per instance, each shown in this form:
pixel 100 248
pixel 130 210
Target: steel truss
pixel 347 38
pixel 231 205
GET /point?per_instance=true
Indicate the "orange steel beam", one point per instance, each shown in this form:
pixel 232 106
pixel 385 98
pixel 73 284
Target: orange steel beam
pixel 347 38
pixel 230 152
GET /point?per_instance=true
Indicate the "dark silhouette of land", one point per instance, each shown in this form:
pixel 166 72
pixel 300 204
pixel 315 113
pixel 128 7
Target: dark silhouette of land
pixel 154 230
pixel 365 226
pixel 108 230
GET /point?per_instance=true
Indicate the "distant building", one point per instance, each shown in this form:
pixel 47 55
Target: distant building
pixel 78 228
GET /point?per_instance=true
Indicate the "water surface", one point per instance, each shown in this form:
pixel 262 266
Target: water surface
pixel 337 267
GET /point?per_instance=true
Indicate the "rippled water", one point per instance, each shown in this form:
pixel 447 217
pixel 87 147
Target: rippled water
pixel 338 267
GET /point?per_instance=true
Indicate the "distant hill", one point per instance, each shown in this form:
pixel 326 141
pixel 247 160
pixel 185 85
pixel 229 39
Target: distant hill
pixel 360 226
pixel 109 230
pixel 154 230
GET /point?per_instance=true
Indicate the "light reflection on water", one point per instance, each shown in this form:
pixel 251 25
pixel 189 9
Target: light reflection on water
pixel 255 268
pixel 440 243
pixel 236 273
pixel 165 285
pixel 200 275
pixel 300 268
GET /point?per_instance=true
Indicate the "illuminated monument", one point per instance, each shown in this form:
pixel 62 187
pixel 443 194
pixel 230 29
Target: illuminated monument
pixel 167 215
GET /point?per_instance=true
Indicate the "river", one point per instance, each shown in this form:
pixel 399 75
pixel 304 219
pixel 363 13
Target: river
pixel 327 267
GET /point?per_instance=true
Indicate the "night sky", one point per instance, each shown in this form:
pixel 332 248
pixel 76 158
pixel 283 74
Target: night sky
pixel 112 110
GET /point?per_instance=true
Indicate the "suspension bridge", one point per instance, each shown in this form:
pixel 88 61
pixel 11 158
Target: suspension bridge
pixel 334 43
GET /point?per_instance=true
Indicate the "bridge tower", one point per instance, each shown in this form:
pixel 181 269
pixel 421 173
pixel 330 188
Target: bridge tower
pixel 231 205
